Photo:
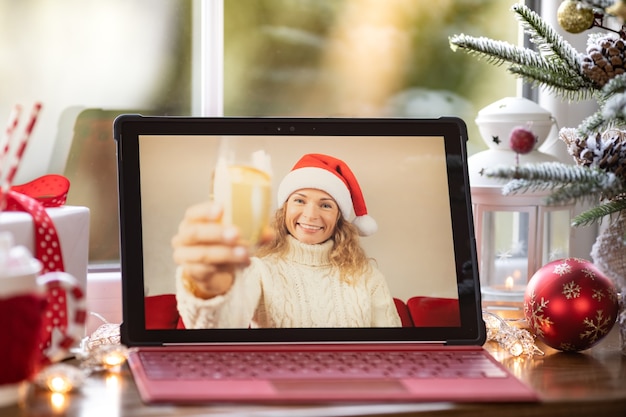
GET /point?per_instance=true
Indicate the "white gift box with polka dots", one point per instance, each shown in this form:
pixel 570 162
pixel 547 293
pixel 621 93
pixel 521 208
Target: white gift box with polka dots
pixel 72 226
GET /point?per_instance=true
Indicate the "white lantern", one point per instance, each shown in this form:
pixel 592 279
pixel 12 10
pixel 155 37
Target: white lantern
pixel 515 234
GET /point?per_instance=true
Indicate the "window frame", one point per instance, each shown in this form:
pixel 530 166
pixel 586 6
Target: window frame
pixel 207 78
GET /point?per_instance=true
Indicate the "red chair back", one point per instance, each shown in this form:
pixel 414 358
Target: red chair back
pixel 403 312
pixel 161 312
pixel 434 312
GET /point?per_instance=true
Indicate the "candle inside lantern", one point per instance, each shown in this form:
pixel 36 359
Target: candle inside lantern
pixel 507 289
pixel 508 282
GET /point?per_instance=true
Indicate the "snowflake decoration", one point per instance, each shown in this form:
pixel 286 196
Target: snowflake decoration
pixel 571 290
pixel 597 328
pixel 555 254
pixel 598 295
pixel 504 255
pixel 562 269
pixel 535 312
pixel 589 273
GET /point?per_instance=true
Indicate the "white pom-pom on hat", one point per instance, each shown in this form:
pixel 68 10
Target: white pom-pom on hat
pixel 333 176
pixel 366 225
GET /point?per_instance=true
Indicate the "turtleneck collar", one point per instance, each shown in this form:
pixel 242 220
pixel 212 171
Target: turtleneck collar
pixel 306 254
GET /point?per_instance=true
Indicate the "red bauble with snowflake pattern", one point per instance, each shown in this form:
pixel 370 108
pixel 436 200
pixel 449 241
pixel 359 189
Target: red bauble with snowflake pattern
pixel 570 305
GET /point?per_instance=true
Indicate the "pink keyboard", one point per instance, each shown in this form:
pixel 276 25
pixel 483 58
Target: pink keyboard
pixel 312 364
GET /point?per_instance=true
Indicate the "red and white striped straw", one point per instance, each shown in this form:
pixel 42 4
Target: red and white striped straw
pixel 7 138
pixel 21 146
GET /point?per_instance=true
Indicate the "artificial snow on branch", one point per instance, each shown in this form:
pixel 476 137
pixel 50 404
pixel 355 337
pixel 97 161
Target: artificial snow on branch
pixel 556 66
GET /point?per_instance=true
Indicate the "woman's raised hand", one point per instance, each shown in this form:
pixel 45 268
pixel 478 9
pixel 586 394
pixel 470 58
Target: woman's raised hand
pixel 208 251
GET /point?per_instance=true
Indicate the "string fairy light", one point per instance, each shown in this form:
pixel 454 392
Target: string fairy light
pixel 102 351
pixel 514 340
pixel 61 378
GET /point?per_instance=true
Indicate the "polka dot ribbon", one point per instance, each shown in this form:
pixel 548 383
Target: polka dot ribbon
pixel 58 286
pixel 33 198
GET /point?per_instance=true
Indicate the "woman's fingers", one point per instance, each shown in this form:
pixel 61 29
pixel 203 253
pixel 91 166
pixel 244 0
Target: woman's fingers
pixel 207 281
pixel 208 251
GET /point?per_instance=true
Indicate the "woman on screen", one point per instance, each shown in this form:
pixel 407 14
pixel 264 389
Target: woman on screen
pixel 310 271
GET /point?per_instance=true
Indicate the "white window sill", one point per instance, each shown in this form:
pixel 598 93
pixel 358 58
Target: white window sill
pixel 104 298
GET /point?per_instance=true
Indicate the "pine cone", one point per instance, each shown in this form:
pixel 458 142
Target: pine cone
pixel 575 144
pixel 606 151
pixel 605 58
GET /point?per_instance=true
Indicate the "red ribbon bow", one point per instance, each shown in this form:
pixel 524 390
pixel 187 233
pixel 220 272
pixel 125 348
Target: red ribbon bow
pixel 33 197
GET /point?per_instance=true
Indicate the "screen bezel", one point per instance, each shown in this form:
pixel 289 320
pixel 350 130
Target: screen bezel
pixel 127 131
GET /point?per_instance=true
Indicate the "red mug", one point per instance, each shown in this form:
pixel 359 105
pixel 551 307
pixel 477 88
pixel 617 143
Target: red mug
pixel 23 308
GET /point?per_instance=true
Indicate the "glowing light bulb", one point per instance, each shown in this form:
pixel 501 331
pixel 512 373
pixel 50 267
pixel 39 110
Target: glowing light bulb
pixel 516 349
pixel 113 359
pixel 60 378
pixel 59 384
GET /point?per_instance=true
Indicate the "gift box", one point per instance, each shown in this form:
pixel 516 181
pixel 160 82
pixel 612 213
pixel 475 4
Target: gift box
pixel 72 235
pixel 72 226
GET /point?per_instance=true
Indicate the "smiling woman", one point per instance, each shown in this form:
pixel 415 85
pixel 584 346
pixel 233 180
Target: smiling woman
pixel 312 271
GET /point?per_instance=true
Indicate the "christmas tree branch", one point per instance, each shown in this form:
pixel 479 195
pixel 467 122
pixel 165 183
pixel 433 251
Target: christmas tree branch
pixel 557 67
pixel 498 52
pixel 567 182
pixel 612 112
pixel 525 63
pixel 601 120
pixel 596 213
pixel 564 193
pixel 594 123
pixel 546 38
pixel 572 88
pixel 545 171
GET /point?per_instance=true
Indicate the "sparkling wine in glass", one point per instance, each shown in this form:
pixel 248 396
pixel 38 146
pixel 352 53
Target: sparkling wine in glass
pixel 243 185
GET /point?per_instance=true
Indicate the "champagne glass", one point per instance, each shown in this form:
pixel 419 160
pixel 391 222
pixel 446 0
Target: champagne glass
pixel 242 183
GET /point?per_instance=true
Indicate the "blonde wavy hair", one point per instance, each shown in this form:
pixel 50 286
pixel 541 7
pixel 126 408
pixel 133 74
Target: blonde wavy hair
pixel 346 256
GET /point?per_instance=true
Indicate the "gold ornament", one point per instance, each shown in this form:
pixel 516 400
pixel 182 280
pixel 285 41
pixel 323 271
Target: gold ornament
pixel 574 17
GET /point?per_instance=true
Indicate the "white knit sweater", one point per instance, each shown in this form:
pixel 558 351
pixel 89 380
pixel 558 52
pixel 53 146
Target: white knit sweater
pixel 297 290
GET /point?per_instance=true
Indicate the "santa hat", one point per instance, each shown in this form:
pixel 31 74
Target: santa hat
pixel 333 176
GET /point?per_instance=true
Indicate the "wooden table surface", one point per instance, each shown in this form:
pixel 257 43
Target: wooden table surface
pixel 592 383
